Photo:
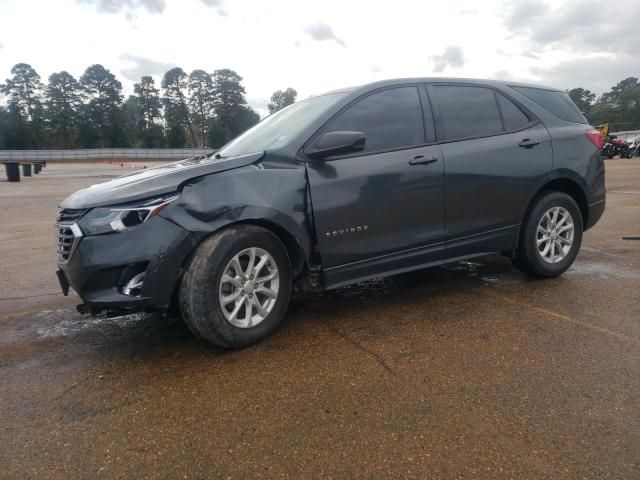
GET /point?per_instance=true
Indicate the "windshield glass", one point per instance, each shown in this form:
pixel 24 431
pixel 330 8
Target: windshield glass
pixel 279 129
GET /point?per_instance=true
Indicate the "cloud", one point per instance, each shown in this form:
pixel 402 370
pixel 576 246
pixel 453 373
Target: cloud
pixel 578 26
pixel 126 6
pixel 321 31
pixel 596 73
pixel 260 105
pixel 530 55
pixel 521 12
pixel 601 48
pixel 143 66
pixel 218 4
pixel 1 45
pixel 452 57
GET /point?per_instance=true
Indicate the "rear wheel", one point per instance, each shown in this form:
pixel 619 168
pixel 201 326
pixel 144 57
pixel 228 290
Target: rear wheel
pixel 236 287
pixel 550 236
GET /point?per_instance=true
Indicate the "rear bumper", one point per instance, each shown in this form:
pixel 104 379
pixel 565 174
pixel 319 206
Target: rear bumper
pixel 101 265
pixel 595 213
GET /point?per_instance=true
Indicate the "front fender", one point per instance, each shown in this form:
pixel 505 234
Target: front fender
pixel 268 193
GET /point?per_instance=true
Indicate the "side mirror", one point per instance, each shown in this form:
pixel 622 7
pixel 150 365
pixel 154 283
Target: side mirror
pixel 337 143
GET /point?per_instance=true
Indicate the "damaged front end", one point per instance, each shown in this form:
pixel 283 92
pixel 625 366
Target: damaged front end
pixel 123 259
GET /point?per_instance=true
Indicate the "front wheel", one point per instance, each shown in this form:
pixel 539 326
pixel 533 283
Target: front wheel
pixel 550 236
pixel 236 287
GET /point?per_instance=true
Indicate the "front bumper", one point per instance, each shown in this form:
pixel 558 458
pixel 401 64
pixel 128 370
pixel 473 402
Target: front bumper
pixel 101 265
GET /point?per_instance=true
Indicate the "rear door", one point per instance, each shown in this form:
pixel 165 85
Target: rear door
pixel 371 206
pixel 495 152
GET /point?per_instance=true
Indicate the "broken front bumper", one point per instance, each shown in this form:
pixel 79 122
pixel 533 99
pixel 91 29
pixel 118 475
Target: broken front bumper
pixel 101 268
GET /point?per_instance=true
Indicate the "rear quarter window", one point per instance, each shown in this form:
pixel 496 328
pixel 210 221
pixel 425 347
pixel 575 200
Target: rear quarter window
pixel 558 103
pixel 512 117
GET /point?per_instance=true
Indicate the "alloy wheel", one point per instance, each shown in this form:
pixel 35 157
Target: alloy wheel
pixel 249 287
pixel 555 233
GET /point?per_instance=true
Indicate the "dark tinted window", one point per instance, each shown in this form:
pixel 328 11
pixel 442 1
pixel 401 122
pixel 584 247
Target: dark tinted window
pixel 558 103
pixel 467 111
pixel 512 116
pixel 389 119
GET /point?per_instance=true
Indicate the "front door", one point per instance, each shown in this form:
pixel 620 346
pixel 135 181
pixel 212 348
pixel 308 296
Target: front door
pixel 383 208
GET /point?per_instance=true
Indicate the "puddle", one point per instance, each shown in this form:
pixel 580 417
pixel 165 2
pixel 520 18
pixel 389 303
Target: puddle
pixel 64 323
pixel 471 267
pixel 601 270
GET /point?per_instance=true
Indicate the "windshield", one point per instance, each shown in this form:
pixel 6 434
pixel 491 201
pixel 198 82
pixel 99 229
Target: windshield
pixel 279 129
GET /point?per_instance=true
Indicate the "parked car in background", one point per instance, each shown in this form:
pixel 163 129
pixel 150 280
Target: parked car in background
pixel 343 187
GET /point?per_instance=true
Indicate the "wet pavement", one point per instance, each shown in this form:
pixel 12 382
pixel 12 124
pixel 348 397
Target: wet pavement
pixel 468 371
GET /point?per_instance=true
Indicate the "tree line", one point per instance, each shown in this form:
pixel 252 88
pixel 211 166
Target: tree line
pixel 620 107
pixel 198 109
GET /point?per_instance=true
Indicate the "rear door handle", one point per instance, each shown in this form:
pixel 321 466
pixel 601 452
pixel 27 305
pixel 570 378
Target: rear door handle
pixel 528 143
pixel 422 160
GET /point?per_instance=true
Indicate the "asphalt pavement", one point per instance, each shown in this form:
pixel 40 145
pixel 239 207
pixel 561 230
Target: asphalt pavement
pixel 473 370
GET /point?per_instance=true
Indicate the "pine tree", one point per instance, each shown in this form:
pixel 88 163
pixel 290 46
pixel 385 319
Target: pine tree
pixel 176 110
pixel 103 94
pixel 63 103
pixel 201 102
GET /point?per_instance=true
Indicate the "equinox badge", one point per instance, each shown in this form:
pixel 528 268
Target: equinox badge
pixel 345 231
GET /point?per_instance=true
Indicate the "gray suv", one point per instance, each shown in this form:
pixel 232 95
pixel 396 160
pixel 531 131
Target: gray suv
pixel 336 189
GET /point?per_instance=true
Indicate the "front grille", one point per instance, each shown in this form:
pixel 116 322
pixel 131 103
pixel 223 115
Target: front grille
pixel 66 242
pixel 70 215
pixel 68 232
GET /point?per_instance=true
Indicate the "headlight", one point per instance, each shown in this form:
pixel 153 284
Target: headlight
pixel 115 219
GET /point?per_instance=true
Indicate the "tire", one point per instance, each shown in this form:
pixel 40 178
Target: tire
pixel 203 288
pixel 529 258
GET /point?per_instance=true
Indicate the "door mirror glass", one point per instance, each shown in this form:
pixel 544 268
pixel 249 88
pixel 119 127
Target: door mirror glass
pixel 338 143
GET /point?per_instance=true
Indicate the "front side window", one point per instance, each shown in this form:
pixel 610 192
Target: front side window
pixel 467 111
pixel 390 119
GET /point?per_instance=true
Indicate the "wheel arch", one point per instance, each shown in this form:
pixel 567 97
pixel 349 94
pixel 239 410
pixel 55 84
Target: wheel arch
pixel 293 248
pixel 566 184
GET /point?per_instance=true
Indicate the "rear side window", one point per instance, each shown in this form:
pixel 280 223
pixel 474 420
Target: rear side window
pixel 390 119
pixel 512 116
pixel 467 111
pixel 558 103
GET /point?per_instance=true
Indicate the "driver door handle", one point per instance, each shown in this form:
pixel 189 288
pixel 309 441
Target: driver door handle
pixel 422 160
pixel 528 143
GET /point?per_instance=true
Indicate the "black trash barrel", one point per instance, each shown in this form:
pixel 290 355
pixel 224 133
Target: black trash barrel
pixel 36 168
pixel 13 171
pixel 26 169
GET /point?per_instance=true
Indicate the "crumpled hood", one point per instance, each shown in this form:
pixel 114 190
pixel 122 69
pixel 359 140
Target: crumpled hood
pixel 153 181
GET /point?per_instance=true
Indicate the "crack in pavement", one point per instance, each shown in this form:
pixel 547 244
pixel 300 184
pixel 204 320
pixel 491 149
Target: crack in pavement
pixel 32 296
pixel 354 343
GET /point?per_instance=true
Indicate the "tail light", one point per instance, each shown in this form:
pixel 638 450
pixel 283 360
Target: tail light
pixel 596 138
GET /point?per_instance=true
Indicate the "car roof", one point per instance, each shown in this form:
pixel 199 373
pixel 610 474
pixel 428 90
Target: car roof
pixel 399 81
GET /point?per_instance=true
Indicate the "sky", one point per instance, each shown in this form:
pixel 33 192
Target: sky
pixel 319 46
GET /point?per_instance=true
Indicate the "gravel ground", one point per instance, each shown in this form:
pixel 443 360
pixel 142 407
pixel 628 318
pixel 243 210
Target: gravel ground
pixel 469 371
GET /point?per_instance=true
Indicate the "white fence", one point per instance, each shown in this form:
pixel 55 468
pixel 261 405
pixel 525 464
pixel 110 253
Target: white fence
pixel 79 155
